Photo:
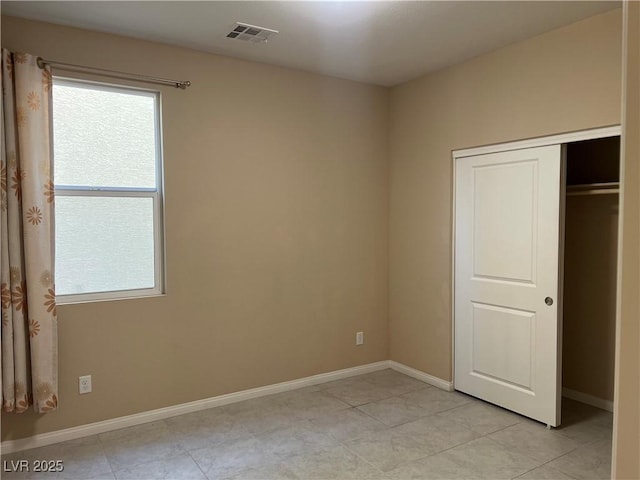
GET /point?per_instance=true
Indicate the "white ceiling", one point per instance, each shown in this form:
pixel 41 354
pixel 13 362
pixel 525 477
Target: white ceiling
pixel 379 42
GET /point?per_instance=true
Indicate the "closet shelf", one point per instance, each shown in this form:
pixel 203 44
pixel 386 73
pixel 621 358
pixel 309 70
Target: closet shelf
pixel 609 188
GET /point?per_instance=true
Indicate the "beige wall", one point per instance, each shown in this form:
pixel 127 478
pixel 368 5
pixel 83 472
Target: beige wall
pixel 626 461
pixel 564 80
pixel 276 219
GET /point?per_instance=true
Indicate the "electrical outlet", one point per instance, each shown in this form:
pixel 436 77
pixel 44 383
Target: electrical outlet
pixel 359 338
pixel 84 384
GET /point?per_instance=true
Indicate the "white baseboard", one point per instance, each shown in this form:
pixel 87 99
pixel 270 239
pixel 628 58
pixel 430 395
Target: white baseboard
pixel 588 399
pixel 420 375
pixel 43 439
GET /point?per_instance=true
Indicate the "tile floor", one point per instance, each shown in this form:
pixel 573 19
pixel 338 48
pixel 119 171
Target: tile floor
pixel 382 425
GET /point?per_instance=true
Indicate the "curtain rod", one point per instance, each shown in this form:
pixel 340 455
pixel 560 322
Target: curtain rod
pixel 182 84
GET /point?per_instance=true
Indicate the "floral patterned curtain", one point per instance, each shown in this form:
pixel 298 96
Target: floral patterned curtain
pixel 29 323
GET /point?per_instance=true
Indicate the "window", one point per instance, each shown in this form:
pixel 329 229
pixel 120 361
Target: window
pixel 108 177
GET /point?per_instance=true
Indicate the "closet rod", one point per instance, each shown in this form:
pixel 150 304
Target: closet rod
pixel 182 84
pixel 603 188
pixel 602 191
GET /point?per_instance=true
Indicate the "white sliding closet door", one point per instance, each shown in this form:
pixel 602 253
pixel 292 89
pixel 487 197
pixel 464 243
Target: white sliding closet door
pixel 507 221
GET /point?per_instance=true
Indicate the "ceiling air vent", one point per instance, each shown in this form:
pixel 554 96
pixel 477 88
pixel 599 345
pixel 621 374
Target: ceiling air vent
pixel 250 33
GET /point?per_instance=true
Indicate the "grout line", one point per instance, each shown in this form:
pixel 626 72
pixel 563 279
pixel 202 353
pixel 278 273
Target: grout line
pixel 531 458
pixel 113 472
pixel 197 464
pixel 134 465
pixel 547 463
pixel 364 459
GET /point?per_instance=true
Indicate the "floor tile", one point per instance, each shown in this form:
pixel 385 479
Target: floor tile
pixel 572 408
pixel 310 388
pixel 435 467
pixel 544 473
pixel 59 476
pixel 587 429
pixel 343 382
pixel 262 418
pixel 591 461
pixel 130 432
pixel 309 404
pixel 482 418
pixel 437 433
pixel 337 463
pixel 247 407
pixel 491 459
pixel 278 471
pixel 481 458
pixel 434 400
pixel 228 459
pixel 397 382
pixel 181 467
pixel 206 428
pixel 82 459
pixel 128 447
pixel 393 411
pixel 534 440
pixel 295 440
pixel 102 476
pixel 382 425
pixel 359 393
pixel 387 449
pixel 346 424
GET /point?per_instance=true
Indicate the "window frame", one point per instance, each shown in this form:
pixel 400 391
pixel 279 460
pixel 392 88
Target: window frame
pixel 156 194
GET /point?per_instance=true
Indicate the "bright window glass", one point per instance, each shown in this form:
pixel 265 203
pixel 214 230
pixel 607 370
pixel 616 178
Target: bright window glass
pixel 104 244
pixel 104 138
pixel 108 196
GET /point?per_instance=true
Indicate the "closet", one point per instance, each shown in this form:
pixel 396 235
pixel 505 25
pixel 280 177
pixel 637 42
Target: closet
pixel 535 270
pixel 590 270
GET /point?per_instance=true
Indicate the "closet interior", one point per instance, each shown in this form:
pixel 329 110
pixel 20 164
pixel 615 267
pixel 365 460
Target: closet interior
pixel 590 270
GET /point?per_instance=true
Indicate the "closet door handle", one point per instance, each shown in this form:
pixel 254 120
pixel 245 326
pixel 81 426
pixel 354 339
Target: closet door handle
pixel 548 301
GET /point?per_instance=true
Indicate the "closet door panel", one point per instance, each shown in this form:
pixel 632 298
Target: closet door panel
pixel 504 232
pixel 506 279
